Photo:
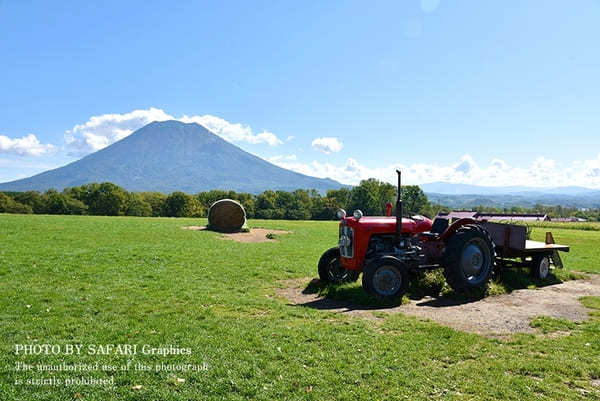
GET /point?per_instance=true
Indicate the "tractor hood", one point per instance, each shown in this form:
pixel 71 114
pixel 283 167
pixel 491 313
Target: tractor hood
pixel 387 225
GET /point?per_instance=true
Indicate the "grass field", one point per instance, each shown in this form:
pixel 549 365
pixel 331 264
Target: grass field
pixel 103 280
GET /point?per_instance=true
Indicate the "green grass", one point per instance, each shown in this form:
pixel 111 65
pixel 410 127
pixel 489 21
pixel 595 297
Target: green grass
pixel 549 325
pixel 585 250
pixel 592 303
pixel 583 226
pixel 103 280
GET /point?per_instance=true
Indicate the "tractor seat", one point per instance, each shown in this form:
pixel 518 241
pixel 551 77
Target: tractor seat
pixel 439 226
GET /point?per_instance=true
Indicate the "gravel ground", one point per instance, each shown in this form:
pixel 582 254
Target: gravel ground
pixel 491 316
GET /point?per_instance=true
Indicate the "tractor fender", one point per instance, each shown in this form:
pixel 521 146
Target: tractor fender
pixel 455 226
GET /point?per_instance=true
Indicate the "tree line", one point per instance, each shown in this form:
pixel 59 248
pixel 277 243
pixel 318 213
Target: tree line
pixel 370 196
pixel 108 199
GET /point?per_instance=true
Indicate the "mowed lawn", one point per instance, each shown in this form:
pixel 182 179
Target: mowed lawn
pixel 119 280
pixel 584 240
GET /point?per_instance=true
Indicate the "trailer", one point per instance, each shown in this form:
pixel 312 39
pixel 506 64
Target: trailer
pixel 513 249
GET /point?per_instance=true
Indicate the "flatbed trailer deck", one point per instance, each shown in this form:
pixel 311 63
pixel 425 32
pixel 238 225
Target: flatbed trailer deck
pixel 513 249
pixel 537 246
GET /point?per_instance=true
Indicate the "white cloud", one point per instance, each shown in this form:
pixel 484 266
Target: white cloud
pixel 290 138
pixel 327 144
pixel 25 146
pixel 542 172
pixel 230 131
pixel 465 165
pixel 103 130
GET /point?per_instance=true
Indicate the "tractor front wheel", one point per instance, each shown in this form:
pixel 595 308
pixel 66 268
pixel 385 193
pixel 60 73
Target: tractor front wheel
pixel 386 278
pixel 331 269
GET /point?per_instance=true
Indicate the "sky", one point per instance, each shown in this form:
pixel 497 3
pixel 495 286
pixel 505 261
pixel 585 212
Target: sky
pixel 476 92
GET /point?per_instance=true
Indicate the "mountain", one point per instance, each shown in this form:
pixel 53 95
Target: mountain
pixel 462 189
pixel 464 196
pixel 525 199
pixel 466 189
pixel 173 156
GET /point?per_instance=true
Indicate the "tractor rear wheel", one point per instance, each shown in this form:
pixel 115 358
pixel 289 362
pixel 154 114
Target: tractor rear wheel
pixel 469 259
pixel 331 269
pixel 540 267
pixel 386 278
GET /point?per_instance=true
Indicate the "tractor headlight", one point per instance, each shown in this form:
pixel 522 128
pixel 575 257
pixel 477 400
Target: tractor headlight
pixel 341 213
pixel 357 214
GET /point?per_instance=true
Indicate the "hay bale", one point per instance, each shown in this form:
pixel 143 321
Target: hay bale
pixel 226 215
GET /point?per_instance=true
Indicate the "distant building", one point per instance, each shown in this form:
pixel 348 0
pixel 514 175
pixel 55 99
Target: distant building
pixel 568 219
pixel 512 217
pixel 455 215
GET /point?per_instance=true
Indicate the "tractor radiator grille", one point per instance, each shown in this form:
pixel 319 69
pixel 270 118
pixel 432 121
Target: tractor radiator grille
pixel 346 243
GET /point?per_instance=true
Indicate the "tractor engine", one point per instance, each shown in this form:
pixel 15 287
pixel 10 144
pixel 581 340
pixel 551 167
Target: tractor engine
pixel 364 238
pixel 408 249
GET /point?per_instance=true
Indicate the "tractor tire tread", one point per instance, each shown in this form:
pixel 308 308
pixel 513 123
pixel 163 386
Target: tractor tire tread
pixel 453 274
pixel 371 268
pixel 352 275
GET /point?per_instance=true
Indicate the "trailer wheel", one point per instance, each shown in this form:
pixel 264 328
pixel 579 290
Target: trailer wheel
pixel 386 278
pixel 469 259
pixel 331 270
pixel 540 267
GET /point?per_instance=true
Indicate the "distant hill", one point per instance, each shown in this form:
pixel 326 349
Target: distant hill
pixel 464 196
pixel 173 156
pixel 469 201
pixel 466 189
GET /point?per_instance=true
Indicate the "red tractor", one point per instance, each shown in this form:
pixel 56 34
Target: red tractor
pixel 387 249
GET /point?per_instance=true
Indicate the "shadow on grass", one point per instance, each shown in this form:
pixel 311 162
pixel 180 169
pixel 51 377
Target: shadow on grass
pixel 428 289
pixel 350 296
pixel 519 278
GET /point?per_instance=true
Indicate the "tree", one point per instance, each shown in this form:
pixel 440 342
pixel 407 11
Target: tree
pixel 31 198
pixel 324 208
pixel 8 205
pixel 210 197
pixel 137 206
pixel 371 196
pixel 83 193
pixel 60 203
pixel 193 207
pixel 265 205
pixel 414 200
pixel 434 209
pixel 107 199
pixel 299 209
pixel 180 204
pixel 156 200
pixel 248 202
pixel 340 197
pixel 175 204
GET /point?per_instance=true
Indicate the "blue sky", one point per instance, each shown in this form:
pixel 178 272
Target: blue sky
pixel 477 92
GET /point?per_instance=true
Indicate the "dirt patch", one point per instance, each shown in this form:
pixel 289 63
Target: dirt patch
pixel 497 315
pixel 194 228
pixel 254 235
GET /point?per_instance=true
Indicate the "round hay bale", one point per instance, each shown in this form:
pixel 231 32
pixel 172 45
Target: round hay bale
pixel 226 215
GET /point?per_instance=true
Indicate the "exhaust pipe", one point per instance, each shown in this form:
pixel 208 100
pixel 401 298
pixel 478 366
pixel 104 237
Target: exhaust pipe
pixel 399 208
